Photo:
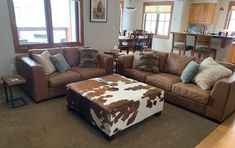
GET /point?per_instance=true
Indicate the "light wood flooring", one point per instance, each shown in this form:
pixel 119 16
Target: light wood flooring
pixel 222 137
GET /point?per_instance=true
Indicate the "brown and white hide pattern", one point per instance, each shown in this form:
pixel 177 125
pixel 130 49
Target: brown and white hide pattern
pixel 119 102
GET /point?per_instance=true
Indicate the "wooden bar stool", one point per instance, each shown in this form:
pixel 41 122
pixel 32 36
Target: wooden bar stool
pixel 179 42
pixel 202 46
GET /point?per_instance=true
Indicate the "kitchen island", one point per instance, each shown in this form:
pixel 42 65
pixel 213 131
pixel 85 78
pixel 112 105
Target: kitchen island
pixel 223 44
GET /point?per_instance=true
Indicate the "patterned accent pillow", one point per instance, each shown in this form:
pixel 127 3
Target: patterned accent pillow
pixel 148 62
pixel 88 57
pixel 44 60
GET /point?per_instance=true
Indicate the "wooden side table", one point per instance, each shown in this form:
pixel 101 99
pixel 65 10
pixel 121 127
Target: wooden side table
pixel 9 82
pixel 115 56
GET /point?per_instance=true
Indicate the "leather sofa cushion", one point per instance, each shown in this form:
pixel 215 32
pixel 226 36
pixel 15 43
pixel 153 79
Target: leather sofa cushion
pixel 71 56
pixel 137 74
pixel 192 92
pixel 175 64
pixel 88 73
pixel 52 51
pixel 57 79
pixel 163 80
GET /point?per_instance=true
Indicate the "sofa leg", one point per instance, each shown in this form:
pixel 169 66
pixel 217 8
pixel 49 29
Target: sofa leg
pixel 158 114
pixel 70 108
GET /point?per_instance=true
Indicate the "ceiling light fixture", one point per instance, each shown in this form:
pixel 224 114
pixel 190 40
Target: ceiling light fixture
pixel 130 7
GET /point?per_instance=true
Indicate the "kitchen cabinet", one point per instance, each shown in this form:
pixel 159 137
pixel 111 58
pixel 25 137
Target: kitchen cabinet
pixel 202 13
pixel 231 56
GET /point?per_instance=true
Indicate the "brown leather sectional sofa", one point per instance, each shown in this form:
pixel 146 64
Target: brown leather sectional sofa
pixel 42 87
pixel 216 104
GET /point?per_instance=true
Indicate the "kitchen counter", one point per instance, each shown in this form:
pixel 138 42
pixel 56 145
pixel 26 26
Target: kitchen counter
pixel 225 39
pixel 223 45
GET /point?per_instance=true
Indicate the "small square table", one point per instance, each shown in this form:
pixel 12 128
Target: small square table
pixel 13 81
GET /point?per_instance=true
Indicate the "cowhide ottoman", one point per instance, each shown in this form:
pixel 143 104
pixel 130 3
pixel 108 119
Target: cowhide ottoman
pixel 113 103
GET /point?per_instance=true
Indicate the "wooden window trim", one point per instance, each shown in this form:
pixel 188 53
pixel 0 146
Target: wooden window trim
pixel 121 15
pixel 159 3
pixel 227 20
pixel 24 48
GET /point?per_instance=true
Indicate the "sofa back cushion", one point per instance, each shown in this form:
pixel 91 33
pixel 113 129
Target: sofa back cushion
pixel 52 51
pixel 175 63
pixel 71 55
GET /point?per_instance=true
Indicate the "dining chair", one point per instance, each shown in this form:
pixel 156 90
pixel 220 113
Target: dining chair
pixel 144 42
pixel 202 47
pixel 129 43
pixel 179 43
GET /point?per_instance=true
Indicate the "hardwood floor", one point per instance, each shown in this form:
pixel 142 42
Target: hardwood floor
pixel 222 137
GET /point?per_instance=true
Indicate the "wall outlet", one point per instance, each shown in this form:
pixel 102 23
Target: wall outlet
pixel 13 68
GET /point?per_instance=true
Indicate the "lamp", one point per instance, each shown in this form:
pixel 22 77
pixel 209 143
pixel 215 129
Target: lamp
pixel 130 8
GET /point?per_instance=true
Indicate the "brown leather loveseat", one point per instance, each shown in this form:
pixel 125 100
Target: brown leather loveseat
pixel 42 87
pixel 216 104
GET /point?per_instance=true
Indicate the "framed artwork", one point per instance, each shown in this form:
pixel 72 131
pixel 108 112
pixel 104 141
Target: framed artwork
pixel 98 10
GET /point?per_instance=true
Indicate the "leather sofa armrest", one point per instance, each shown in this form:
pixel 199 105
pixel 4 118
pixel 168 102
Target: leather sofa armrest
pixel 222 99
pixel 125 62
pixel 36 85
pixel 228 65
pixel 106 62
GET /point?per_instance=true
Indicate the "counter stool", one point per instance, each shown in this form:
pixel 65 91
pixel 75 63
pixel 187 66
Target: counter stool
pixel 179 42
pixel 202 46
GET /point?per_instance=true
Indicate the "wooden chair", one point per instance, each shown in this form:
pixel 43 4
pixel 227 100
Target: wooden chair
pixel 128 44
pixel 202 47
pixel 179 42
pixel 145 43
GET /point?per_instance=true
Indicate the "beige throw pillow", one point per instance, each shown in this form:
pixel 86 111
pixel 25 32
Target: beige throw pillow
pixel 136 60
pixel 209 72
pixel 44 60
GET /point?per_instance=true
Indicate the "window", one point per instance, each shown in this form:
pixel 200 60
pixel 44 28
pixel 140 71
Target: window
pixel 157 18
pixel 230 23
pixel 45 23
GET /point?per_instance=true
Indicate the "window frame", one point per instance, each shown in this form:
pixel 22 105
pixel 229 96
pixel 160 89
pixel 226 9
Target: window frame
pixel 228 17
pixel 171 3
pixel 48 16
pixel 121 15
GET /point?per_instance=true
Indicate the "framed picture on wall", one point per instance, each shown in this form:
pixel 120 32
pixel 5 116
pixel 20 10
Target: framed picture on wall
pixel 98 10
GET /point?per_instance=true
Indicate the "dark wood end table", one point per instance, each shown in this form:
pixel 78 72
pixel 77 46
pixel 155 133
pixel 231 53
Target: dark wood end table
pixel 115 56
pixel 9 82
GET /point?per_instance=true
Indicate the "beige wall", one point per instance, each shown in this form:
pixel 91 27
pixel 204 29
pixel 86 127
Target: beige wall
pixel 7 51
pixel 98 35
pixel 102 35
